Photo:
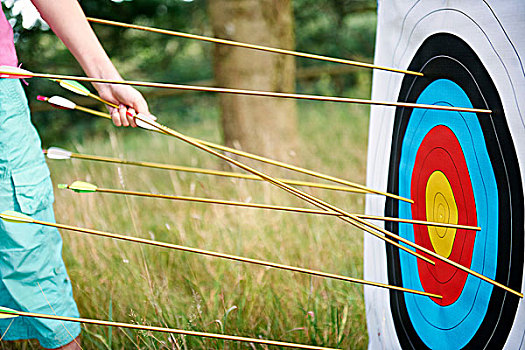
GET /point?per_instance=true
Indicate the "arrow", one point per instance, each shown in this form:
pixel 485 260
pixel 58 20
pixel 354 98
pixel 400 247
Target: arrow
pixel 255 47
pixel 14 217
pixel 61 154
pixel 349 218
pixel 85 187
pixel 64 103
pixel 10 313
pixel 270 161
pixel 26 74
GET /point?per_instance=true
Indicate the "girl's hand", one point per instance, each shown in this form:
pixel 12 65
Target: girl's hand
pixel 129 100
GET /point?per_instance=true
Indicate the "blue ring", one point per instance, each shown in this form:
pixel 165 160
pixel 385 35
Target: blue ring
pixel 457 323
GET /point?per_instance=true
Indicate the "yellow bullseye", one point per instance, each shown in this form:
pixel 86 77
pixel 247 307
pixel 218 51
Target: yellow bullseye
pixel 441 207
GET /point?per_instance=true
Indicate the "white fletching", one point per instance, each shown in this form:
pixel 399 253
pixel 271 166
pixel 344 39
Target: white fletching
pixel 14 70
pixel 62 102
pixel 58 153
pixel 145 125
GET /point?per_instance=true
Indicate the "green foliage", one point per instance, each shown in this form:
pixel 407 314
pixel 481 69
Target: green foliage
pixel 337 28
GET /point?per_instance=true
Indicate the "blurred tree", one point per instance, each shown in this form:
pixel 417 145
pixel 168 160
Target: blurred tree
pixel 266 126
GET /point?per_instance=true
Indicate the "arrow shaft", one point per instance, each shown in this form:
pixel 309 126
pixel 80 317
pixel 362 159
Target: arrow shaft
pixel 218 201
pixel 234 258
pixel 165 330
pixel 419 222
pixel 281 208
pixel 212 172
pixel 92 111
pixel 254 47
pixel 263 93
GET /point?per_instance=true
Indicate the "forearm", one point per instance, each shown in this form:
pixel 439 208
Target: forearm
pixel 67 20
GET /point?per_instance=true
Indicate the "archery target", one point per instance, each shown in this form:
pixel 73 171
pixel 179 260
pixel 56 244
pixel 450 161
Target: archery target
pixel 459 168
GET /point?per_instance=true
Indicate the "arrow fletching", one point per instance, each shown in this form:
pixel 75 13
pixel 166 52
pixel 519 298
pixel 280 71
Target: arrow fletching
pixel 58 153
pixel 73 86
pixel 7 313
pixel 81 187
pixel 16 217
pixel 61 102
pixel 14 73
pixel 144 125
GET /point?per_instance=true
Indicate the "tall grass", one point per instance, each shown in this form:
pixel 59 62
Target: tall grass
pixel 138 284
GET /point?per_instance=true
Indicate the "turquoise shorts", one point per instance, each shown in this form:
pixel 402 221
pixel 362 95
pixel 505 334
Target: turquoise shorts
pixel 33 277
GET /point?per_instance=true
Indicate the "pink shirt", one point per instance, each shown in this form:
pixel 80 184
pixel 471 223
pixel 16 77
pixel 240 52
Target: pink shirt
pixel 7 45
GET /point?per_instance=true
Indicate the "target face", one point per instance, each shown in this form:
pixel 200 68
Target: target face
pixel 462 168
pixel 458 168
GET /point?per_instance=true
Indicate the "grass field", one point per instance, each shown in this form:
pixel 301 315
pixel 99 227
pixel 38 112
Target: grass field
pixel 131 283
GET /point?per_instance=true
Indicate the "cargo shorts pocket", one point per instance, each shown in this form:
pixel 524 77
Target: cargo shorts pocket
pixel 33 188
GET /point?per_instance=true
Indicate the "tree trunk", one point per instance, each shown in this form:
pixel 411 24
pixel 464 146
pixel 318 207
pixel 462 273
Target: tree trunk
pixel 261 125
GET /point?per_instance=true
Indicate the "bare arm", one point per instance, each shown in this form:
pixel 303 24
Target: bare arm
pixel 67 20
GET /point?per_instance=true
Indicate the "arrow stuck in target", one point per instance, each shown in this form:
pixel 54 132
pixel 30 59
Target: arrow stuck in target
pixel 254 47
pixel 12 74
pixel 85 187
pixel 15 217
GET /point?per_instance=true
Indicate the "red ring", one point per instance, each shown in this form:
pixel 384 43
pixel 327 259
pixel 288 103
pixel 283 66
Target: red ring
pixel 440 151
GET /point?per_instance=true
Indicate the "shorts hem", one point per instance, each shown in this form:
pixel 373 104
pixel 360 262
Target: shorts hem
pixel 61 337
